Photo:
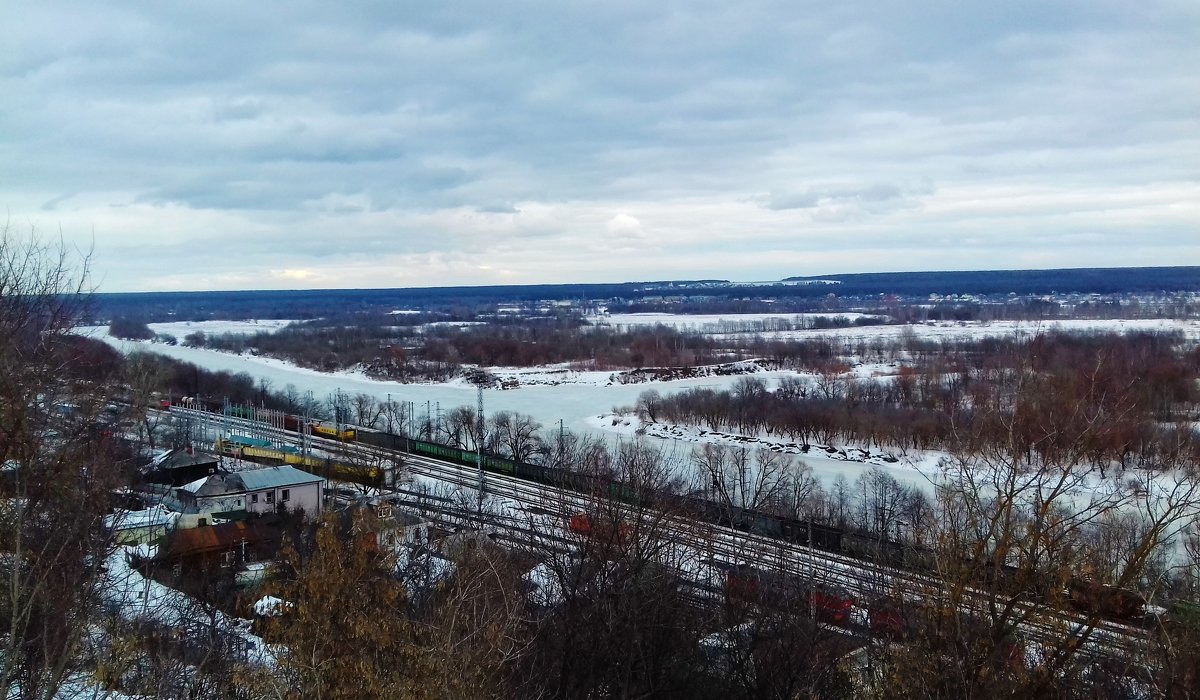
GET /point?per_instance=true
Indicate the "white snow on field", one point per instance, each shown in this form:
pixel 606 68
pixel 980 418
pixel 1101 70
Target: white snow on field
pixel 951 330
pixel 547 402
pixel 179 329
pixel 578 396
pixel 136 597
pixel 453 324
pixel 712 322
pixel 550 375
pixel 914 467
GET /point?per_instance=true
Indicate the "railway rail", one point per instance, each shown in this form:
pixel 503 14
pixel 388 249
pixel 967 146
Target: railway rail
pixel 542 508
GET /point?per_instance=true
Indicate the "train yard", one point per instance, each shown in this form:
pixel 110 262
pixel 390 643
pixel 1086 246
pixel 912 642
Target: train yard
pixel 714 558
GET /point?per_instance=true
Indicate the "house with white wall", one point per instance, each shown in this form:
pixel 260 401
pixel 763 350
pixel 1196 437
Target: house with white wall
pixel 253 491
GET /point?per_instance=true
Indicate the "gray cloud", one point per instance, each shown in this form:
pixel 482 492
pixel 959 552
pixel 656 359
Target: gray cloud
pixel 868 195
pixel 424 137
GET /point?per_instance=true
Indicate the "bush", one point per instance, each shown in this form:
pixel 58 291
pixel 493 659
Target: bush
pixel 195 340
pixel 130 329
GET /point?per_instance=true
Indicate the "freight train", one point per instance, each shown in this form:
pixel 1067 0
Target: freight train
pixel 822 600
pixel 1122 604
pixel 278 419
pixel 256 450
pixel 894 618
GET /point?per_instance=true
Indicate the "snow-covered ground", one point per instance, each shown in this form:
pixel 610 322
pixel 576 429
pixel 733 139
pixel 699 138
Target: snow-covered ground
pixel 733 325
pixel 547 402
pixel 915 468
pixel 181 328
pixel 136 597
pixel 712 323
pixel 579 397
pixel 948 330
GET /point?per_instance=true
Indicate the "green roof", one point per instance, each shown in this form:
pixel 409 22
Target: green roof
pixel 250 441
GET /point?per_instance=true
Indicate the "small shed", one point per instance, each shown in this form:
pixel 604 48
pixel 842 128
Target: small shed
pixel 182 466
pixel 140 526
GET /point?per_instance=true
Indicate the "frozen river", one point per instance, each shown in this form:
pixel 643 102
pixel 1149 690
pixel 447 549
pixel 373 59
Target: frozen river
pixel 577 405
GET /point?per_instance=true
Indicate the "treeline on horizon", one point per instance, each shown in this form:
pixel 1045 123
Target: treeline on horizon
pixel 724 297
pixel 1089 280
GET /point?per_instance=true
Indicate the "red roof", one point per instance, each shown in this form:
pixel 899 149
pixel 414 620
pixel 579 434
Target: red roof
pixel 217 538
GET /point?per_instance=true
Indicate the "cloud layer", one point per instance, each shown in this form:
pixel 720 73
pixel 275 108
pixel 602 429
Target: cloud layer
pixel 230 145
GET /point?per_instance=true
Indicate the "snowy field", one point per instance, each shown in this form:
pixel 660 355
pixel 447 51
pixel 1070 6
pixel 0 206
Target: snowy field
pixel 915 468
pixel 574 403
pixel 181 328
pixel 733 324
pixel 951 330
pixel 725 325
pixel 583 399
pixel 710 323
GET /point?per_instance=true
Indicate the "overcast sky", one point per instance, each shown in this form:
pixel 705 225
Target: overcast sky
pixel 246 145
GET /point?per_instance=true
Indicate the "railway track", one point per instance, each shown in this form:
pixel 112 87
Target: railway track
pixel 540 512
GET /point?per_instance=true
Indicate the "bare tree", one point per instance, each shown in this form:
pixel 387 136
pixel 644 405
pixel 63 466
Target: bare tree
pixel 615 591
pixel 292 400
pixel 366 410
pixel 264 390
pixel 59 476
pixel 744 479
pixel 345 633
pixel 395 414
pixel 1025 518
pixel 517 434
pixel 144 377
pixel 804 492
pixel 313 408
pixel 459 427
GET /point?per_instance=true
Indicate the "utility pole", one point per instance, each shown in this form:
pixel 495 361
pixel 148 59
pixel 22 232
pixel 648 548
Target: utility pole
pixel 479 445
pixel 305 428
pixel 812 573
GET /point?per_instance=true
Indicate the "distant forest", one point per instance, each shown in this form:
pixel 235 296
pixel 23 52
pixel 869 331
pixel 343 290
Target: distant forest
pixel 1088 280
pixel 714 296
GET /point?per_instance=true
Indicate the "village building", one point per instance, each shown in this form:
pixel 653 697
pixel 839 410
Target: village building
pixel 223 546
pixel 381 526
pixel 254 491
pixel 182 466
pixel 140 526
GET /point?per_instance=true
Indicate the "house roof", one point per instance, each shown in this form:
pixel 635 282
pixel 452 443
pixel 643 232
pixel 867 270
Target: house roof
pixel 275 477
pixel 177 459
pixel 154 516
pixel 217 538
pixel 249 480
